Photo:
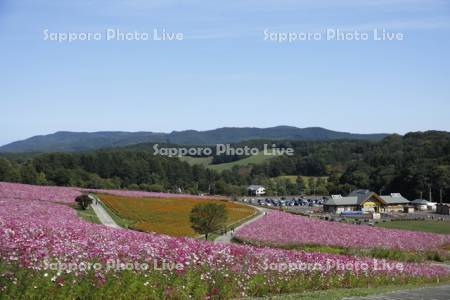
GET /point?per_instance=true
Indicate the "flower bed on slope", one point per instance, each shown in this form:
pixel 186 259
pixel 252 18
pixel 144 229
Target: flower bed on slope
pixel 288 229
pixel 34 192
pixel 144 194
pixel 67 194
pixel 39 235
pixel 168 215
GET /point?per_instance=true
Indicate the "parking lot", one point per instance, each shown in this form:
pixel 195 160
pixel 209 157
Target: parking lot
pixel 287 201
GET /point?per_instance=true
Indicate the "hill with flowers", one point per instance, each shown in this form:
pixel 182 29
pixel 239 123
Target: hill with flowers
pixel 45 248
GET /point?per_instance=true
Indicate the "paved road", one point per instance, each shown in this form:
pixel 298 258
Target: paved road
pixel 226 238
pixel 427 293
pixel 102 215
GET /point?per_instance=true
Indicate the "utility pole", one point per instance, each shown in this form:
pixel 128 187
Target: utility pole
pixel 440 195
pixel 421 195
pixel 429 187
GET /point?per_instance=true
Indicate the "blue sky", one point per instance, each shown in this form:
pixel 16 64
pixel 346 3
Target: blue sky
pixel 223 73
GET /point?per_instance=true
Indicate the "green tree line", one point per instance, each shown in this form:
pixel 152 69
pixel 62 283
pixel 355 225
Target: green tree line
pixel 411 164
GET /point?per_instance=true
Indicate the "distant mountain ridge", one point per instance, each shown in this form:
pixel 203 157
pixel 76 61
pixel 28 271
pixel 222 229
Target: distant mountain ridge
pixel 67 141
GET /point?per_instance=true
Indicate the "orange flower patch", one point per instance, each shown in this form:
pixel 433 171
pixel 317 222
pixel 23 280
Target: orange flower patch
pixel 168 215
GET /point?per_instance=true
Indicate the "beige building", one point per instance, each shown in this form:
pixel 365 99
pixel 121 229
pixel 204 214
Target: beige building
pixel 366 201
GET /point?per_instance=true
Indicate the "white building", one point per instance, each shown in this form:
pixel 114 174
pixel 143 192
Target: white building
pixel 422 204
pixel 256 190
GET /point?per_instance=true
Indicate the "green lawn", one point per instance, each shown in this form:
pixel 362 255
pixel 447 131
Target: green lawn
pixel 254 159
pixel 88 214
pixel 204 161
pixel 435 226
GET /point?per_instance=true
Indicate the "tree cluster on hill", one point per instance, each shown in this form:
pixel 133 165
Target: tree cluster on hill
pixel 410 164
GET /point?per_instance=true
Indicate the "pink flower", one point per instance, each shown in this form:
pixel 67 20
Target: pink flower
pixel 284 228
pixel 38 229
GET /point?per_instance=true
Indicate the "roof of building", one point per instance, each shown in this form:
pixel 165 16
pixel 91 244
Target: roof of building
pixel 395 198
pixel 354 198
pixel 420 202
pixel 334 200
pixel 357 197
pixel 362 195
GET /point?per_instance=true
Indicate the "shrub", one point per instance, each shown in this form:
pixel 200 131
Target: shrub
pixel 83 201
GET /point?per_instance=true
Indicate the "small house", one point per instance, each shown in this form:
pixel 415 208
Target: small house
pixel 256 190
pixel 424 205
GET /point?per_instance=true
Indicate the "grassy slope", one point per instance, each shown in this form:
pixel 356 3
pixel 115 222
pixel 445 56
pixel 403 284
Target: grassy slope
pixel 435 226
pixel 255 159
pixel 204 161
pixel 87 214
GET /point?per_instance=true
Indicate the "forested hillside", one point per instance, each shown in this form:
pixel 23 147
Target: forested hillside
pixel 66 141
pixel 408 164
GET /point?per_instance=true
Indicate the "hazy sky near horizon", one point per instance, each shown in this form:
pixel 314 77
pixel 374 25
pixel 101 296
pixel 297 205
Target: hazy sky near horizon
pixel 224 72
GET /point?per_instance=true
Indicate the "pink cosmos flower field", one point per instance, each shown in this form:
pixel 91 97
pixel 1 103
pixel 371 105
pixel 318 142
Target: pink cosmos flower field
pixel 288 229
pixel 143 194
pixel 30 192
pixel 37 225
pixel 68 194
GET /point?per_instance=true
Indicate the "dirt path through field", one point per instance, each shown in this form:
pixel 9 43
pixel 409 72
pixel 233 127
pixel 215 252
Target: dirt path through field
pixel 102 214
pixel 226 238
